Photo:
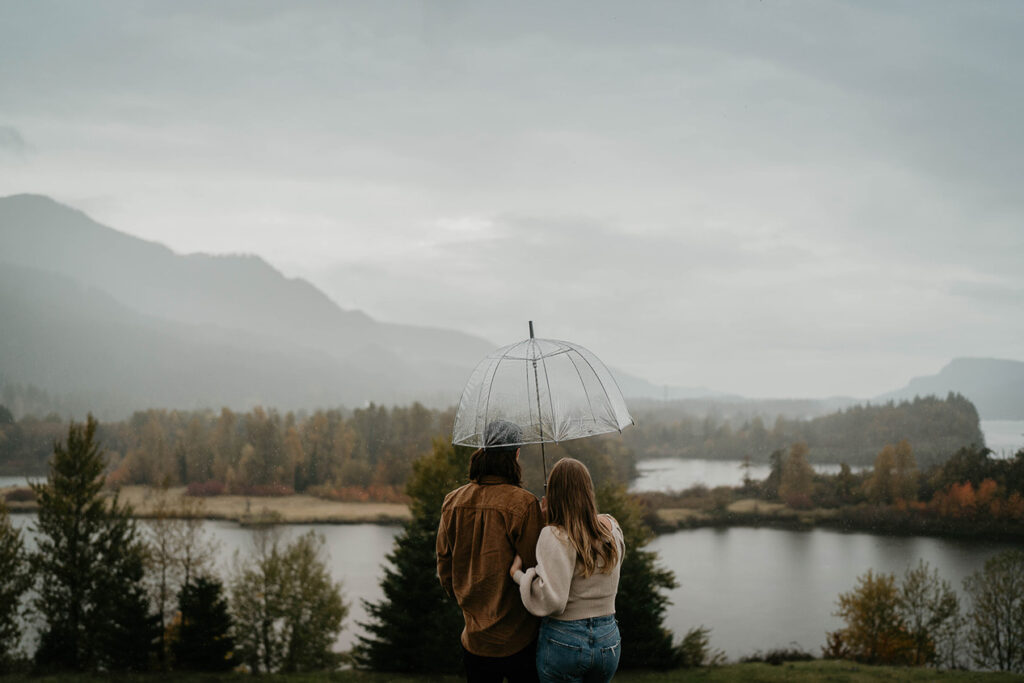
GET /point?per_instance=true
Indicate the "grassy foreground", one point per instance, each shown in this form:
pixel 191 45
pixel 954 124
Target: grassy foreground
pixel 838 672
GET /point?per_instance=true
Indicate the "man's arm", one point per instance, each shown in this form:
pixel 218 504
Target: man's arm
pixel 444 555
pixel 525 537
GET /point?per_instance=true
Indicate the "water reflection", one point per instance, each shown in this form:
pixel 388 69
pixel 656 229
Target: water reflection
pixel 676 474
pixel 759 589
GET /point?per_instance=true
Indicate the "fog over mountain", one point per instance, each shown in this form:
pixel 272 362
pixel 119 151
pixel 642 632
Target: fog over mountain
pixel 116 323
pixel 89 310
pixel 995 386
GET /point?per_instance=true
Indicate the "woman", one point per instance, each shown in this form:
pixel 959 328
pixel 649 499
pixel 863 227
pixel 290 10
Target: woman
pixel 573 586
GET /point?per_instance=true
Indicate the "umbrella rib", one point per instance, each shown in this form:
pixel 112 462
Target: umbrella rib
pixel 606 396
pixel 547 380
pixel 529 403
pixel 487 403
pixel 590 404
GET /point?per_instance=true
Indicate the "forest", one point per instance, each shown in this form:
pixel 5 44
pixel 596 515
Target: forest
pixel 936 428
pixel 340 453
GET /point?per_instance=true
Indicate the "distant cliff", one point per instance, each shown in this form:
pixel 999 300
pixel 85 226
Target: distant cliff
pixel 994 386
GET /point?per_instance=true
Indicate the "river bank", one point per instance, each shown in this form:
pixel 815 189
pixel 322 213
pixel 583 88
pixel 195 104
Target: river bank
pixel 873 519
pixel 147 503
pixel 747 512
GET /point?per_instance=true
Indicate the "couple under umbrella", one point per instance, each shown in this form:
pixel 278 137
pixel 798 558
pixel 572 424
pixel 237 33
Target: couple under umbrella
pixel 536 583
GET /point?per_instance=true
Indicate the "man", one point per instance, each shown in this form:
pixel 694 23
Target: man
pixel 484 525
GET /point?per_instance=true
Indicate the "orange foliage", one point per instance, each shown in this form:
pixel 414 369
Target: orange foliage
pixel 986 493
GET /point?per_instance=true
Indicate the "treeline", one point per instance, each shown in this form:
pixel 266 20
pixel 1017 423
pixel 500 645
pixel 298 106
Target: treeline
pixel 970 485
pixel 936 427
pixel 112 595
pixel 264 452
pixel 260 450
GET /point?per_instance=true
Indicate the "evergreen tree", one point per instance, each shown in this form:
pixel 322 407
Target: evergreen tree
pixel 415 626
pixel 89 567
pixel 14 581
pixel 204 640
pixel 641 602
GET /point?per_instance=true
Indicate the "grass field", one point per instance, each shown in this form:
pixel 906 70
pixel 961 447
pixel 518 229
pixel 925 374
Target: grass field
pixel 836 672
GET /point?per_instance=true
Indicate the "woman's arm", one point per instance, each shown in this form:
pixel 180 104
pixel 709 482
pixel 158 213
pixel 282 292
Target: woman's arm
pixel 544 589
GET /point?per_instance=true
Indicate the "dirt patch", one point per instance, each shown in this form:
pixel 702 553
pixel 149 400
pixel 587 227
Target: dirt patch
pixel 751 506
pixel 296 509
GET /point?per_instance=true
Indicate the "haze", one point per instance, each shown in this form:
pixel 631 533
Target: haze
pixel 767 198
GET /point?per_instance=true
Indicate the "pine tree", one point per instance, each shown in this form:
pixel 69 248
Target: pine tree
pixel 14 581
pixel 89 567
pixel 415 626
pixel 204 640
pixel 641 602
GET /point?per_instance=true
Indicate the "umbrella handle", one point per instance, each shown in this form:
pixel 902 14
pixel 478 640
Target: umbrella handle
pixel 544 460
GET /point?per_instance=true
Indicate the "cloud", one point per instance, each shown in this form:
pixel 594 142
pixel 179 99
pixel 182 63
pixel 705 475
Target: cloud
pixel 12 143
pixel 744 195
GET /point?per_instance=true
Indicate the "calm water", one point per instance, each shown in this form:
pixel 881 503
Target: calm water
pixel 675 474
pixel 1004 437
pixel 755 588
pixel 17 481
pixel 759 589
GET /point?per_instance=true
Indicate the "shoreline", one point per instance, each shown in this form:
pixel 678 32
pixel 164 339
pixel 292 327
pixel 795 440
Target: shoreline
pixel 149 503
pixel 745 513
pixel 753 513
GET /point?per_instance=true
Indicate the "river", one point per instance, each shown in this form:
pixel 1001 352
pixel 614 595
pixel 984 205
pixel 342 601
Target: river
pixel 756 589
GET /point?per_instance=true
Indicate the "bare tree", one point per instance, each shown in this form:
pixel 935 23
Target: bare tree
pixel 996 620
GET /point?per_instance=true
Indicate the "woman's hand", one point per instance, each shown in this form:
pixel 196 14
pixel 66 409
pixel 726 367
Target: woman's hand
pixel 517 565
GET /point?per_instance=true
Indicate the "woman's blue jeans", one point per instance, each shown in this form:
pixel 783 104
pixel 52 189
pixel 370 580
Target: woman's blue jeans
pixel 585 650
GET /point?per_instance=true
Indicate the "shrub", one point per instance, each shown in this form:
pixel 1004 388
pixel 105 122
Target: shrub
pixel 263 490
pixel 206 489
pixel 695 649
pixel 778 656
pixel 20 496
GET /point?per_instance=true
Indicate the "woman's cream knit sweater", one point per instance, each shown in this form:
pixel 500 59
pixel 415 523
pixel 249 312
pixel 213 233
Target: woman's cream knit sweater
pixel 556 586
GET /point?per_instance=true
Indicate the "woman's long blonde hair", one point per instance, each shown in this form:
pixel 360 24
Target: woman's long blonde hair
pixel 572 507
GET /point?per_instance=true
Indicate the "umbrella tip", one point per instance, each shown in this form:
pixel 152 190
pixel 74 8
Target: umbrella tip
pixel 531 329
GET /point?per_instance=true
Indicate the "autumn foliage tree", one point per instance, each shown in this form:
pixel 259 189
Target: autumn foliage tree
pixel 874 633
pixel 911 623
pixel 796 484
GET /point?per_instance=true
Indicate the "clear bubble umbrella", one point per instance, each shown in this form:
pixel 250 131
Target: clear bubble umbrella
pixel 553 390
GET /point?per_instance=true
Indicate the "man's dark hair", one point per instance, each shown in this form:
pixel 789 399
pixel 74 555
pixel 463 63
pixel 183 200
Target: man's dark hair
pixel 498 456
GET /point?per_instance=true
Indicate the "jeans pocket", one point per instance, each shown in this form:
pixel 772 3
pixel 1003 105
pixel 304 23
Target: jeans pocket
pixel 559 659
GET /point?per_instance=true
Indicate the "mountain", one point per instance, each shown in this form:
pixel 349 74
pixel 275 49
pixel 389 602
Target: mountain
pixel 633 387
pixel 89 309
pixel 995 386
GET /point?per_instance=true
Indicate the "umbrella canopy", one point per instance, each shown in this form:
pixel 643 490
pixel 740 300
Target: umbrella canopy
pixel 553 390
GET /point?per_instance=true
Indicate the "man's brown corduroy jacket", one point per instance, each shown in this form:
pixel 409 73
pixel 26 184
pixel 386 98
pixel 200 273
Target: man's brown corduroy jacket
pixel 484 524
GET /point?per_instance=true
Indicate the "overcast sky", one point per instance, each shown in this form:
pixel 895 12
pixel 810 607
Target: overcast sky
pixel 768 198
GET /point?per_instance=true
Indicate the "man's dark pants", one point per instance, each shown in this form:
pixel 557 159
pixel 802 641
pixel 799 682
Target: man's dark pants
pixel 518 668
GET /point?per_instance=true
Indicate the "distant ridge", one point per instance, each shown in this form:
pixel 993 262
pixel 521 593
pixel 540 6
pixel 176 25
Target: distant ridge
pixel 995 386
pixel 272 334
